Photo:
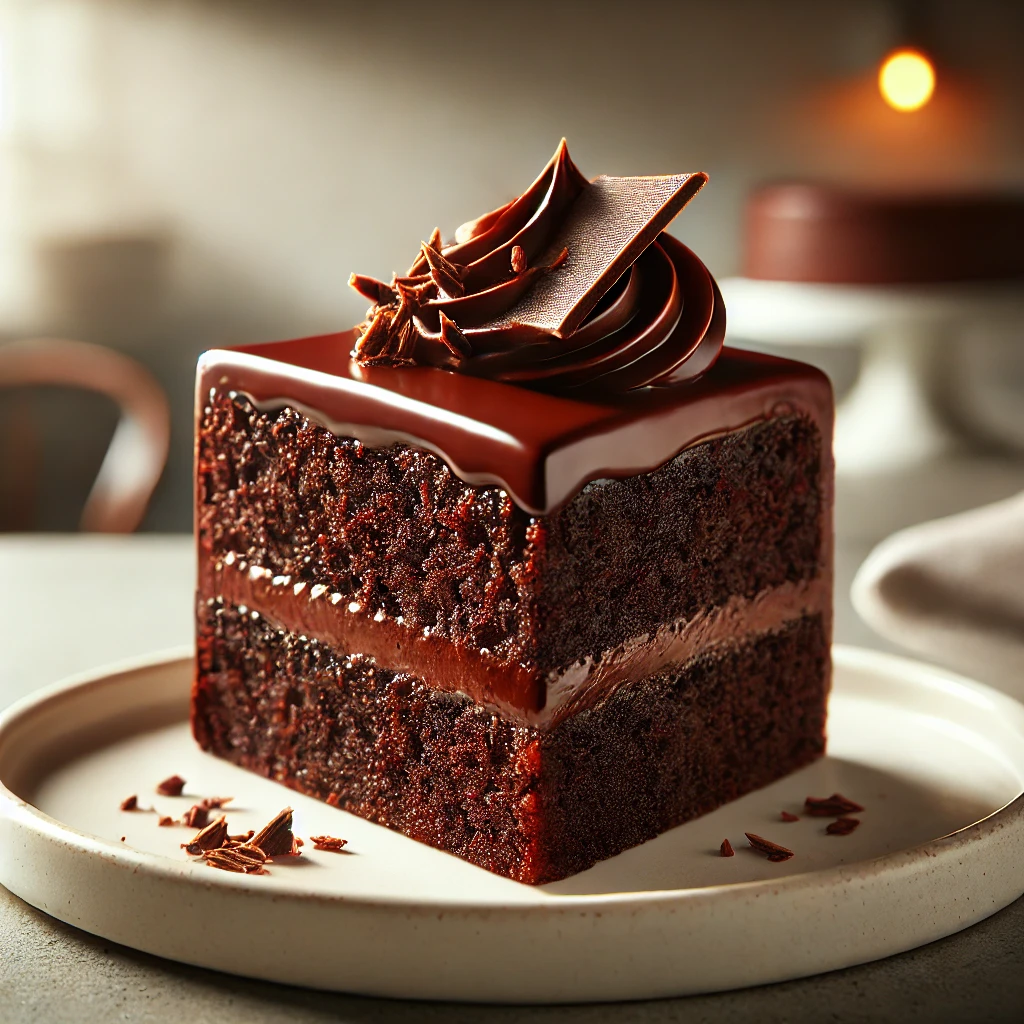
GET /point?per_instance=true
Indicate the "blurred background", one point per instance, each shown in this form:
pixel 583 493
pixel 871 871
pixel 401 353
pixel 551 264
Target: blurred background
pixel 180 174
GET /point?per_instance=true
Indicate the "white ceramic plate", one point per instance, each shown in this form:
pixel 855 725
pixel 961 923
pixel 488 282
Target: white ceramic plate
pixel 937 761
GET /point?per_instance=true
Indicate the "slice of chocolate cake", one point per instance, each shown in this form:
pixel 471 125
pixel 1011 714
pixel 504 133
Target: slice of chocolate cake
pixel 526 566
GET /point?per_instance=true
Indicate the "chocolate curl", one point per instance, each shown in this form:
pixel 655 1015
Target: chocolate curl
pixel 212 837
pixel 331 843
pixel 413 280
pixel 842 826
pixel 171 786
pixel 197 816
pixel 419 265
pixel 454 340
pixel 833 806
pixel 275 839
pixel 404 313
pixel 772 851
pixel 243 859
pixel 373 341
pixel 406 346
pixel 447 275
pixel 372 289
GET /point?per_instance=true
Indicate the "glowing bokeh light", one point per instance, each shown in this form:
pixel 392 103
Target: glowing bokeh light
pixel 906 80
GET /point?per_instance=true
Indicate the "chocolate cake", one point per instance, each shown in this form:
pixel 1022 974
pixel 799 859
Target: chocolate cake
pixel 821 233
pixel 526 566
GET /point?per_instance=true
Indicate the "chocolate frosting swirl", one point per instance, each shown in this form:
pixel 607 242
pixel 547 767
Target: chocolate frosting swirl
pixel 572 287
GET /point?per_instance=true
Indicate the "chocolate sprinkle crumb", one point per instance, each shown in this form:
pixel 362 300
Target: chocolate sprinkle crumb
pixel 130 803
pixel 243 859
pixel 328 843
pixel 518 259
pixel 726 849
pixel 372 289
pixel 242 838
pixel 333 800
pixel 275 839
pixel 830 806
pixel 171 786
pixel 211 837
pixel 786 816
pixel 454 340
pixel 165 820
pixel 215 803
pixel 197 816
pixel 841 826
pixel 771 850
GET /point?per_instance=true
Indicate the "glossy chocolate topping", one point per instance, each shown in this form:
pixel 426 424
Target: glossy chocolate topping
pixel 828 234
pixel 572 288
pixel 541 448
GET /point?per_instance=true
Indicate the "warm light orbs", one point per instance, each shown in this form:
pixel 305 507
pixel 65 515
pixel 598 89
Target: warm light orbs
pixel 906 80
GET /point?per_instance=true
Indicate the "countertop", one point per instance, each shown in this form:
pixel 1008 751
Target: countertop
pixel 68 604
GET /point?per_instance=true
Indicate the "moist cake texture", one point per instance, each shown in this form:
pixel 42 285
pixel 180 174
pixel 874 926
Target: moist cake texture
pixel 529 625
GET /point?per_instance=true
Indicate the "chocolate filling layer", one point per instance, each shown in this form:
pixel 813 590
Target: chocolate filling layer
pixel 519 692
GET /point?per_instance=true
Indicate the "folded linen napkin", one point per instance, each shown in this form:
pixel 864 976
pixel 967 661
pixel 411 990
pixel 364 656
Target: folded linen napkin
pixel 953 591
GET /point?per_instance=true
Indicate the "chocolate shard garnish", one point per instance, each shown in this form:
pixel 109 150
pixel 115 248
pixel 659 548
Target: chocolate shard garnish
pixel 832 806
pixel 276 839
pixel 771 850
pixel 372 289
pixel 518 259
pixel 374 339
pixel 608 226
pixel 215 803
pixel 171 786
pixel 786 816
pixel 243 859
pixel 130 803
pixel 197 816
pixel 454 340
pixel 410 295
pixel 446 275
pixel 841 826
pixel 414 280
pixel 329 843
pixel 403 314
pixel 436 260
pixel 419 265
pixel 726 849
pixel 212 837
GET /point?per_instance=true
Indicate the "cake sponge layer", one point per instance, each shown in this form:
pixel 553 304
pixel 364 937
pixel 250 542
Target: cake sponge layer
pixel 395 531
pixel 532 805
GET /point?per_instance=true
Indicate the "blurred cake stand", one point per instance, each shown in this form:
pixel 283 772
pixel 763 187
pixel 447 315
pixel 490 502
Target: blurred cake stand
pixel 897 413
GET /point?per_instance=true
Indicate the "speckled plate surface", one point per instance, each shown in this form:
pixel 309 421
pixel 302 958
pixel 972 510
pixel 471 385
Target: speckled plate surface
pixel 937 762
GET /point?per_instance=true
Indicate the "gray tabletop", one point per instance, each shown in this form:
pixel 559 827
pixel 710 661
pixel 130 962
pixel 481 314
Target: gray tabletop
pixel 70 604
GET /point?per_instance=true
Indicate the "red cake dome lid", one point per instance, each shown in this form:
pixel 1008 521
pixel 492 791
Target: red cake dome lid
pixel 831 234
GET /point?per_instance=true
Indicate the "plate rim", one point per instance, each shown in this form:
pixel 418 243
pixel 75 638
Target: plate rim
pixel 161 867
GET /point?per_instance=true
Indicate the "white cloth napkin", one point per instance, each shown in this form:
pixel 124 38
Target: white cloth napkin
pixel 952 590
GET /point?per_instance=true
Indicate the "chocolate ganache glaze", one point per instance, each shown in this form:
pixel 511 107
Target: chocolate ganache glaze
pixel 595 365
pixel 571 288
